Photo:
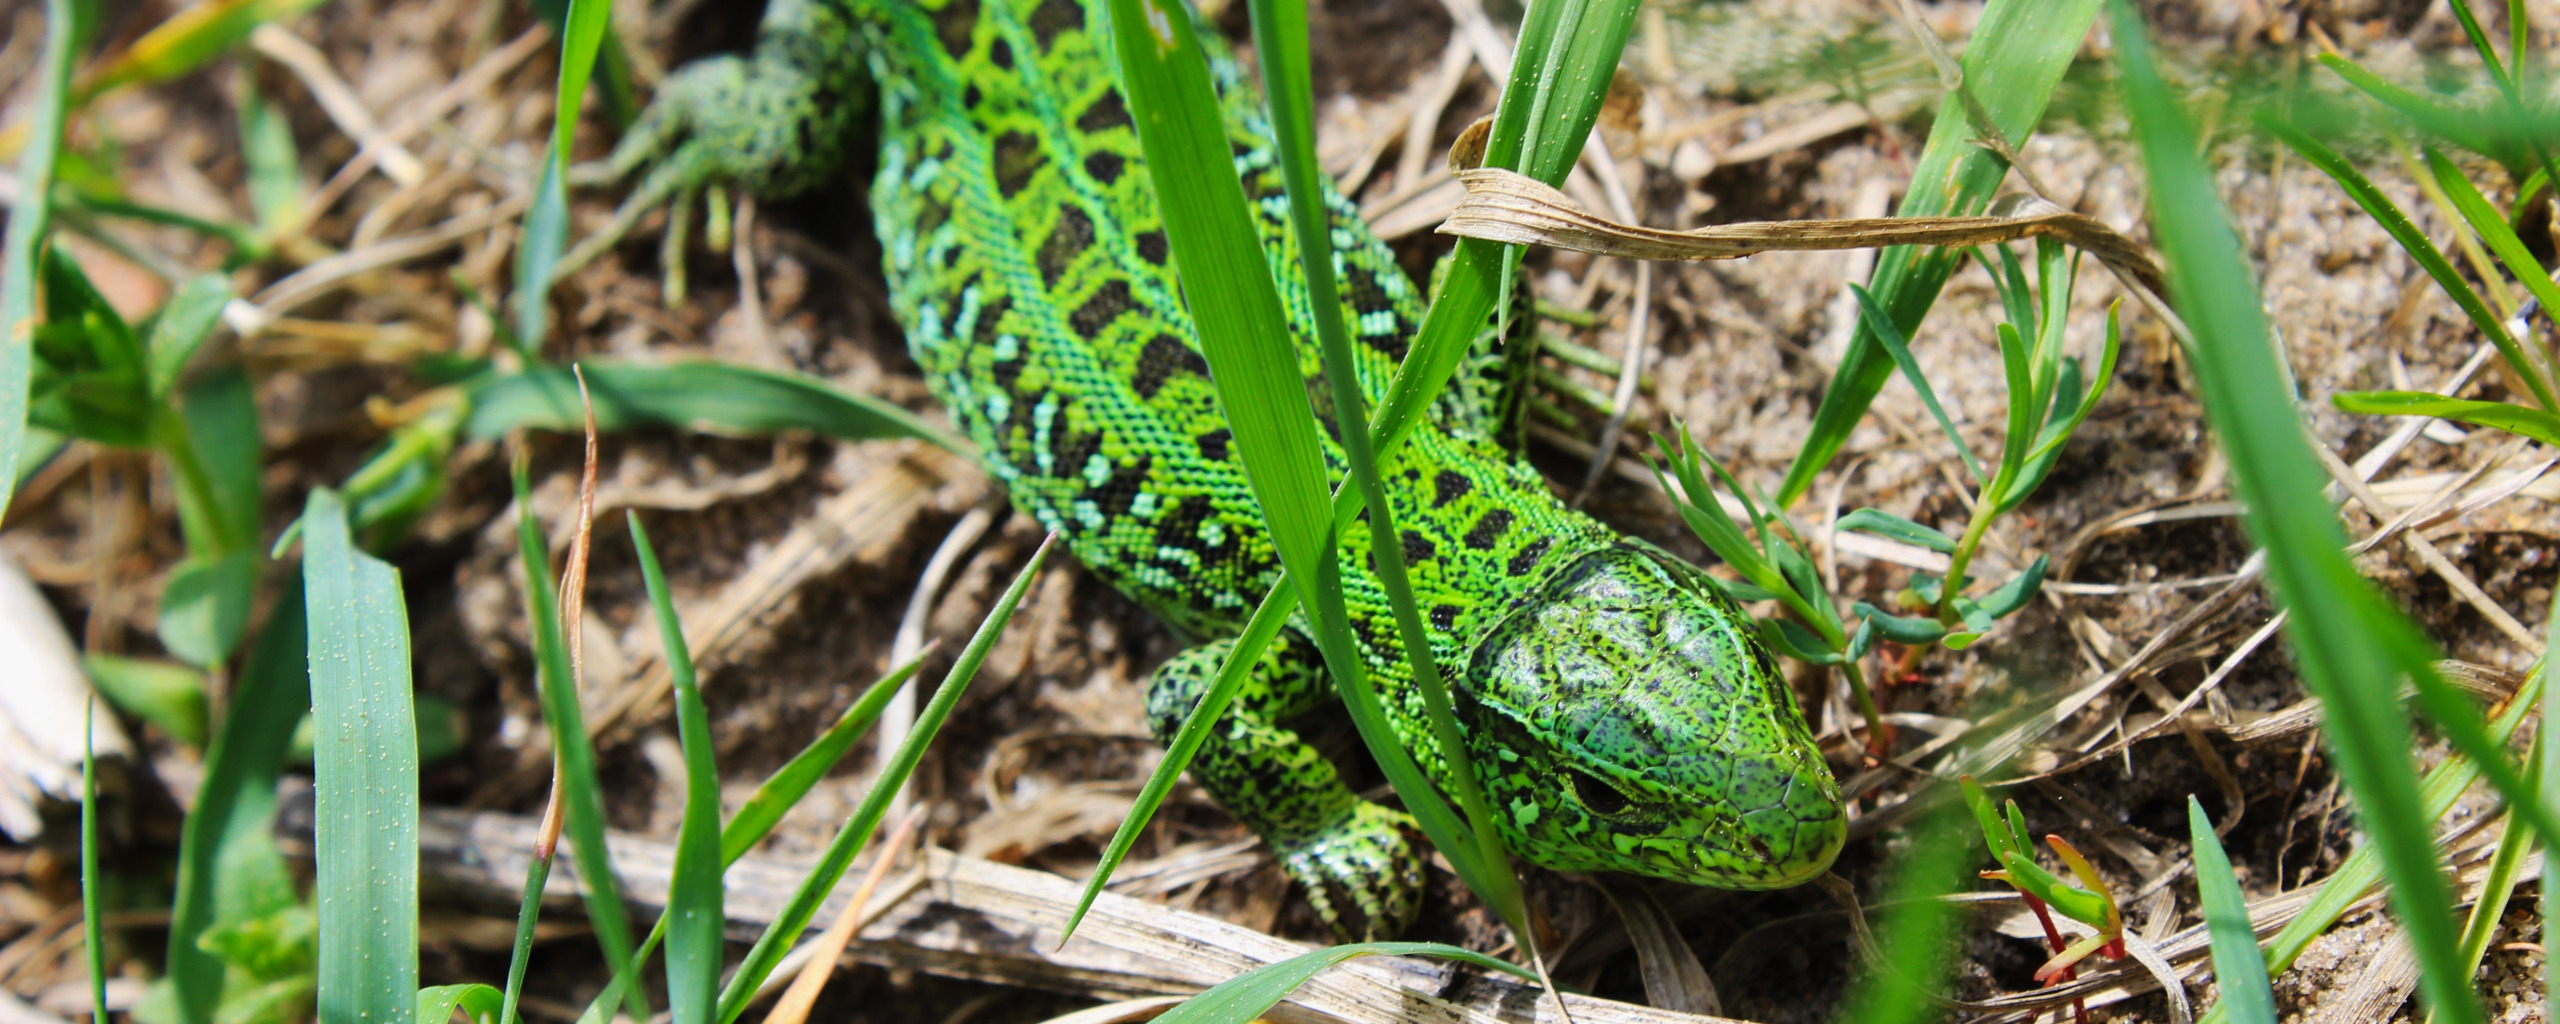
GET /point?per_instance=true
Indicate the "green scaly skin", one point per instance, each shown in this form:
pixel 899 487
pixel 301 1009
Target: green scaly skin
pixel 1620 713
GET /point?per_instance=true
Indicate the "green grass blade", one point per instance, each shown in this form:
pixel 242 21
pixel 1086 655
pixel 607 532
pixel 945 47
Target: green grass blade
pixel 366 775
pixel 546 225
pixel 18 263
pixel 2416 244
pixel 694 892
pixel 181 327
pixel 229 869
pixel 272 165
pixel 582 794
pixel 765 808
pixel 613 64
pixel 1280 32
pixel 537 875
pixel 1893 527
pixel 1568 53
pixel 1458 311
pixel 214 449
pixel 478 1002
pixel 165 694
pixel 1477 275
pixel 2497 886
pixel 2514 419
pixel 2357 874
pixel 2018 53
pixel 1243 335
pixel 696 395
pixel 546 233
pixel 1246 997
pixel 786 927
pixel 2237 965
pixel 2498 70
pixel 2339 624
pixel 186 41
pixel 93 923
pixel 219 505
pixel 2494 229
pixel 1903 985
pixel 2451 124
pixel 1880 323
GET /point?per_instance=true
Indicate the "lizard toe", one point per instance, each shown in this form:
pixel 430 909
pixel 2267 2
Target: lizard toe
pixel 1363 876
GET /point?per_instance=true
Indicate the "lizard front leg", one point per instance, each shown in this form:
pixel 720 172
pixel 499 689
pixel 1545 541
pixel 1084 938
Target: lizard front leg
pixel 777 121
pixel 1355 859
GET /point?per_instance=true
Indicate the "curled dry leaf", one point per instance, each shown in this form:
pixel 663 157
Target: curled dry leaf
pixel 1505 206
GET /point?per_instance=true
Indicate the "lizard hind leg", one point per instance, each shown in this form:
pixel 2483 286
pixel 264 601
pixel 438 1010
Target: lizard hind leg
pixel 1355 859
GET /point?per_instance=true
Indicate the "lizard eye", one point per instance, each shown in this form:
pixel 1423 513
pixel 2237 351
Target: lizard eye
pixel 1601 797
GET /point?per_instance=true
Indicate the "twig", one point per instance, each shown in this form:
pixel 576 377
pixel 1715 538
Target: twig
pixel 337 100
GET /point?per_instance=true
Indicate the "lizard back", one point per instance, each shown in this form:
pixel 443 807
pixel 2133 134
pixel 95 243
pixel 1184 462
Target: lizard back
pixel 1067 354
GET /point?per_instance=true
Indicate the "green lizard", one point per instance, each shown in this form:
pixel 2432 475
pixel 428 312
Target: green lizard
pixel 1619 709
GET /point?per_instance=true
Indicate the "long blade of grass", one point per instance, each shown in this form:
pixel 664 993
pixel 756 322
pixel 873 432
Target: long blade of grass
pixel 2509 75
pixel 786 927
pixel 2018 53
pixel 2357 874
pixel 2460 127
pixel 2345 638
pixel 765 808
pixel 694 892
pixel 582 795
pixel 93 921
pixel 2489 912
pixel 1458 311
pixel 1243 335
pixel 546 225
pixel 185 41
pixel 366 774
pixel 537 876
pixel 1906 982
pixel 1246 997
pixel 2414 242
pixel 2514 419
pixel 1280 34
pixel 229 869
pixel 2549 706
pixel 1538 137
pixel 694 395
pixel 2237 965
pixel 18 264
pixel 2493 229
pixel 214 450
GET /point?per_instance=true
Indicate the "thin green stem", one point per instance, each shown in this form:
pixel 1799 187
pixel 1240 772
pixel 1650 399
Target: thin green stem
pixel 1962 559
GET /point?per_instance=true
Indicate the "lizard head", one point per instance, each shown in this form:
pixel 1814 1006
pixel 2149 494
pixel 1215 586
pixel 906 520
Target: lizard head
pixel 1625 718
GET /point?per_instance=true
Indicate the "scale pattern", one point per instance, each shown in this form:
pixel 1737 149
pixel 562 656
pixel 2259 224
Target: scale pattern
pixel 1621 711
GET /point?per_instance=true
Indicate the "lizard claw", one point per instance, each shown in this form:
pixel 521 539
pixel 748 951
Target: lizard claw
pixel 1362 875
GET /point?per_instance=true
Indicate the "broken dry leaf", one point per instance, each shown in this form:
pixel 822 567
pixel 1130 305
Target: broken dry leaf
pixel 1505 206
